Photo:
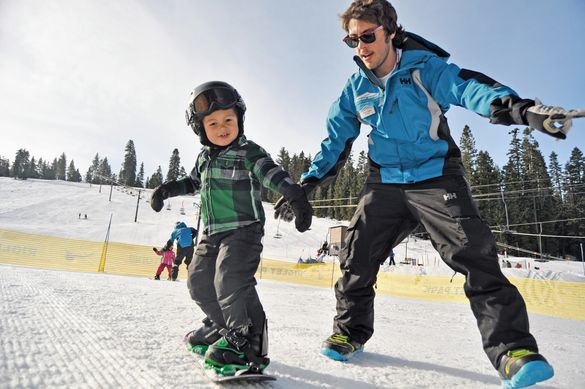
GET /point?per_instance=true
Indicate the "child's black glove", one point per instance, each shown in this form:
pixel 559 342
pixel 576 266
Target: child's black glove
pixel 294 204
pixel 163 192
pixel 154 249
pixel 160 194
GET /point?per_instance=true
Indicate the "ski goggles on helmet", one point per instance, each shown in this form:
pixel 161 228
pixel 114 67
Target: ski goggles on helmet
pixel 210 100
pixel 367 37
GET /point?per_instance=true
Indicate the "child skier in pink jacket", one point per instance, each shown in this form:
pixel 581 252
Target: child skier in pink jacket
pixel 167 260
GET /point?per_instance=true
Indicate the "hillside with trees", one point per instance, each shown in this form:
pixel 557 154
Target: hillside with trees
pixel 532 203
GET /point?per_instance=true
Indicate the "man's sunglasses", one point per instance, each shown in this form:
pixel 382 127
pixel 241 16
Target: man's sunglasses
pixel 367 37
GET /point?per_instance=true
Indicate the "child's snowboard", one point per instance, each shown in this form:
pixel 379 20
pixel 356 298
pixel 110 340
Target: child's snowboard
pixel 243 376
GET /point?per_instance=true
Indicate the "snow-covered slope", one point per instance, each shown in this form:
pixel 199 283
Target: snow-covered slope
pixel 64 329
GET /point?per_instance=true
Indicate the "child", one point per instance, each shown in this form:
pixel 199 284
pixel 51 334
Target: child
pixel 167 260
pixel 184 236
pixel 229 173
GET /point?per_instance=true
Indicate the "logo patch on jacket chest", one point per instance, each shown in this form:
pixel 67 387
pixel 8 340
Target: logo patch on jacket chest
pixel 405 81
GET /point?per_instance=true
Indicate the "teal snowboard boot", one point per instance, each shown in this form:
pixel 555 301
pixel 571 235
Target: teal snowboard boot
pixel 340 347
pixel 521 368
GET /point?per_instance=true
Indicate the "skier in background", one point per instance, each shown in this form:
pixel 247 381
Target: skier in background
pixel 184 236
pixel 167 260
pixel 229 173
pixel 402 90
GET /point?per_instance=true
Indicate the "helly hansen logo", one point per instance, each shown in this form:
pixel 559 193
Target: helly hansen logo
pixel 450 196
pixel 404 81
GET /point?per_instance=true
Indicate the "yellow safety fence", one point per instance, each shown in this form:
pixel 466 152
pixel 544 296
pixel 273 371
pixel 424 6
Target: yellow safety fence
pixel 548 297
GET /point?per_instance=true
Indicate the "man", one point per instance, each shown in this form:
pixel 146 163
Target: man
pixel 184 236
pixel 402 91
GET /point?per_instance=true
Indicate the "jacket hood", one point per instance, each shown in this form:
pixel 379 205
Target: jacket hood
pixel 416 49
pixel 181 225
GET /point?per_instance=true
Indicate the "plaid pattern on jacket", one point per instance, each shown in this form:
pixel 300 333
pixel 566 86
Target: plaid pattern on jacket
pixel 230 180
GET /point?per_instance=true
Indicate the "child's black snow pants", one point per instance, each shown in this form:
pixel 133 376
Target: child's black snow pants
pixel 221 278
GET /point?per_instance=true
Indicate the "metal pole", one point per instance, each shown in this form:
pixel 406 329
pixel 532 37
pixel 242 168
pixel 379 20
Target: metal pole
pixel 137 202
pixel 198 223
pixel 505 209
pixel 582 259
pixel 102 264
pixel 111 187
pixel 540 240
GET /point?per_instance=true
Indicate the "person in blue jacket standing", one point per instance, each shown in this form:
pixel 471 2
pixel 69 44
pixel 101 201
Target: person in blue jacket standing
pixel 184 236
pixel 402 90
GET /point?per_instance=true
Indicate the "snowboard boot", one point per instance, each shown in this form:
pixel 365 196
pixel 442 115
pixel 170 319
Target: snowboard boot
pixel 156 277
pixel 199 340
pixel 234 352
pixel 340 347
pixel 520 368
pixel 175 273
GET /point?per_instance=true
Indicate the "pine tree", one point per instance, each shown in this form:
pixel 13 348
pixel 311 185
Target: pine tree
pixel 345 189
pixel 182 172
pixel 512 185
pixel 555 171
pixel 574 182
pixel 468 154
pixel 21 164
pixel 127 175
pixel 32 170
pixel 104 173
pixel 283 159
pixel 73 174
pixel 539 187
pixel 174 166
pixel 4 167
pixel 41 168
pixel 61 168
pixel 90 176
pixel 156 179
pixel 140 178
pixel 487 190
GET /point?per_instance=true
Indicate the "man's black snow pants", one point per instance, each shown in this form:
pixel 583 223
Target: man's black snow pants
pixel 385 215
pixel 221 278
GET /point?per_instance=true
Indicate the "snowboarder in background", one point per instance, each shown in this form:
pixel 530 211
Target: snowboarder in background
pixel 402 90
pixel 184 236
pixel 325 248
pixel 391 258
pixel 167 260
pixel 229 173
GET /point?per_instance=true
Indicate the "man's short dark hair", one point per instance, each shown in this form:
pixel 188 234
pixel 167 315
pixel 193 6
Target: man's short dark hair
pixel 375 11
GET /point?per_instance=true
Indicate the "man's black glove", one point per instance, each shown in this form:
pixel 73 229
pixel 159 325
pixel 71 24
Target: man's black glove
pixel 294 204
pixel 553 121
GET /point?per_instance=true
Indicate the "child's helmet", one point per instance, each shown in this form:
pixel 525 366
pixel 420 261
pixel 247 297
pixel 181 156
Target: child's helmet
pixel 209 97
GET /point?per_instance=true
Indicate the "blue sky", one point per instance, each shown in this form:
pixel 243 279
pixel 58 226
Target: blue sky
pixel 84 77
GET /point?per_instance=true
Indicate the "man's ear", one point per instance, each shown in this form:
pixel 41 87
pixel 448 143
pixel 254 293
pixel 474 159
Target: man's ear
pixel 391 36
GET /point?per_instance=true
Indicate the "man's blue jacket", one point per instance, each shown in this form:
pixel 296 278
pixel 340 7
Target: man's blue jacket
pixel 410 140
